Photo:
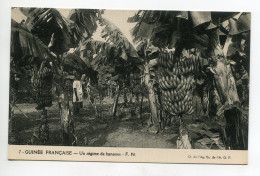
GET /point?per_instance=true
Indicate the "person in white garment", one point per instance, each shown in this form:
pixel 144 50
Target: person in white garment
pixel 77 95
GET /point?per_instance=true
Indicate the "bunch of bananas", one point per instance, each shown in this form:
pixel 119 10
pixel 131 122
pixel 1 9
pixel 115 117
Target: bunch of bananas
pixel 42 85
pixel 175 78
pixel 177 94
pixel 166 60
pixel 182 66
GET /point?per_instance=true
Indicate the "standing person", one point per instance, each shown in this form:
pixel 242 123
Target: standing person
pixel 77 95
pixel 83 80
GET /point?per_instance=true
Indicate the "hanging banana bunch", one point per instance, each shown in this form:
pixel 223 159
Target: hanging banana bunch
pixel 176 79
pixel 42 85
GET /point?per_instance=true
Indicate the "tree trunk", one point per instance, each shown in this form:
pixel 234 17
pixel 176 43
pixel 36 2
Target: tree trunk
pixel 183 142
pixel 224 79
pixel 92 102
pixel 11 134
pixel 101 97
pixel 225 83
pixel 44 127
pixel 12 102
pixel 160 111
pixel 151 95
pixel 226 88
pixel 114 109
pixel 235 131
pixel 125 98
pixel 110 92
pixel 67 124
pixel 131 96
pixel 11 118
pixel 141 108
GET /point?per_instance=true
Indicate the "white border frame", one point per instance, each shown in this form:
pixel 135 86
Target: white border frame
pixel 89 168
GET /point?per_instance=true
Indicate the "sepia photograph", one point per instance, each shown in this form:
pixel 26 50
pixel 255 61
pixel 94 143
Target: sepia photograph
pixel 129 78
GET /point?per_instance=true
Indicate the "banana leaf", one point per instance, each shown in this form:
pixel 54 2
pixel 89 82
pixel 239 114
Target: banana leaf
pixel 242 24
pixel 85 20
pixel 113 35
pixel 199 18
pixel 73 61
pixel 97 53
pixel 27 48
pixel 52 28
pixel 168 28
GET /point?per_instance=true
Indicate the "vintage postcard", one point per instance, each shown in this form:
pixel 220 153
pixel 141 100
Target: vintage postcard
pixel 129 85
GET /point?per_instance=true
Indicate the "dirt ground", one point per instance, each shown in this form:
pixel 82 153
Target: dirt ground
pixel 102 130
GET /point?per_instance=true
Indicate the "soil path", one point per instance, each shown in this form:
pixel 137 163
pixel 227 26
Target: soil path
pixel 130 134
pixel 103 131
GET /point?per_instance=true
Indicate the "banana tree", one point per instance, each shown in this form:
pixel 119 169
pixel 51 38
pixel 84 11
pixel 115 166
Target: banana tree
pixel 112 63
pixel 59 34
pixel 116 51
pixel 27 51
pixel 186 30
pixel 149 53
pixel 114 35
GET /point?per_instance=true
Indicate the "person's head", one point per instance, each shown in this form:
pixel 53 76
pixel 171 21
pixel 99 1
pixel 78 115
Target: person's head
pixel 242 44
pixel 83 77
pixel 77 76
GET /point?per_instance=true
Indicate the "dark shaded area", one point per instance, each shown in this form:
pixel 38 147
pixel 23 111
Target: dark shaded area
pixel 127 130
pixel 236 129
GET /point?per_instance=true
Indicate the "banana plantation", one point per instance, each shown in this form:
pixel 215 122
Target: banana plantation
pixel 143 79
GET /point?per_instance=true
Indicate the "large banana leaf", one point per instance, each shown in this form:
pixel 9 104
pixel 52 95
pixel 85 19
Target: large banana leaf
pixel 72 61
pixel 166 28
pixel 85 20
pixel 169 28
pixel 113 35
pixel 52 28
pixel 240 25
pixel 103 58
pixel 26 47
pixel 98 53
